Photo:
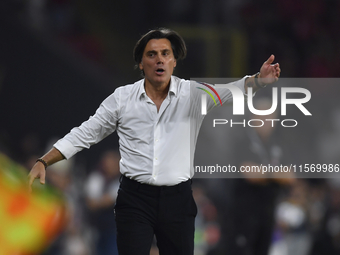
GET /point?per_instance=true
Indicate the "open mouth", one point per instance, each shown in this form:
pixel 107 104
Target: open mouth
pixel 160 71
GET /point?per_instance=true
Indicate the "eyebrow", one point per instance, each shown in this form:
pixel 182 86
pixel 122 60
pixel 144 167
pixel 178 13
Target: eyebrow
pixel 153 51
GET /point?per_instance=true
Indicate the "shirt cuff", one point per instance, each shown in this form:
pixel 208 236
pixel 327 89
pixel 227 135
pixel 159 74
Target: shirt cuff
pixel 241 84
pixel 243 80
pixel 66 148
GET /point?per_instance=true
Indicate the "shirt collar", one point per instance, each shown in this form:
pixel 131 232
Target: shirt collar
pixel 173 87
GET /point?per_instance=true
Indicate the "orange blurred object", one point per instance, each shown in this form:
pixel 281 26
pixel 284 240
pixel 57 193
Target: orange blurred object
pixel 29 222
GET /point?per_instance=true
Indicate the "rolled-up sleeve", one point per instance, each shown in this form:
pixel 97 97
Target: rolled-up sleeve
pixel 92 131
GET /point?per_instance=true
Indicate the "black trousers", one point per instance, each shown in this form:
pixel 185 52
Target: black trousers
pixel 168 212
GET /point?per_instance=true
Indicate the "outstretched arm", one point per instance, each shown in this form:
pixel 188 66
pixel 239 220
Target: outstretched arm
pixel 39 170
pixel 269 73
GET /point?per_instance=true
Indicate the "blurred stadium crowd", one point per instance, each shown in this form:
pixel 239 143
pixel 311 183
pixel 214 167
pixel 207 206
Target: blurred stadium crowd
pixel 60 58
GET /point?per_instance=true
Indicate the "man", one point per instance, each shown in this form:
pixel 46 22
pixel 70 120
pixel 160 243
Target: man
pixel 157 120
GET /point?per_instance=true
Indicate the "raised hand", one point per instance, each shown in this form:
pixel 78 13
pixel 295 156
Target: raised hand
pixel 269 73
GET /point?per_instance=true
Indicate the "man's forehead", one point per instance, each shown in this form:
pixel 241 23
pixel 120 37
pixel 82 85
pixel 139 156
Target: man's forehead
pixel 158 44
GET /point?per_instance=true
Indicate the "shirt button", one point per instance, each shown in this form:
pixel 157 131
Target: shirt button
pixel 156 140
pixel 156 158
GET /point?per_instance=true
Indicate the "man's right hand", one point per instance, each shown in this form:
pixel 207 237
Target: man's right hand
pixel 38 171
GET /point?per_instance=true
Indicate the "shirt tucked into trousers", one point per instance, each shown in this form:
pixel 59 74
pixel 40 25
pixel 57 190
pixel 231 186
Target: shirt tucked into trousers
pixel 157 148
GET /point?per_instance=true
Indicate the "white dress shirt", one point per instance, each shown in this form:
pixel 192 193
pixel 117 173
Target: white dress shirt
pixel 156 148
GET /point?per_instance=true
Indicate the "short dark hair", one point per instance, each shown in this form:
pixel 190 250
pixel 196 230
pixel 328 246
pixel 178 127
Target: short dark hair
pixel 177 43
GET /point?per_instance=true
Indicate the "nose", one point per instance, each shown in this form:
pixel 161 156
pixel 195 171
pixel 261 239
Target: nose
pixel 160 59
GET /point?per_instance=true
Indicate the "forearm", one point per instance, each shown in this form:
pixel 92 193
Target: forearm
pixel 53 156
pixel 250 82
